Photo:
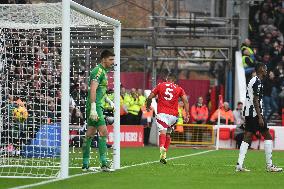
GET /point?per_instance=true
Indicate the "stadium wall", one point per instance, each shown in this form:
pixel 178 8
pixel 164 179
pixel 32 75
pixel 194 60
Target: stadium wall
pixel 139 80
pixel 278 142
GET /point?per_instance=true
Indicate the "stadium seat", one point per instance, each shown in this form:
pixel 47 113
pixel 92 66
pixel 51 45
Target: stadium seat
pixel 225 133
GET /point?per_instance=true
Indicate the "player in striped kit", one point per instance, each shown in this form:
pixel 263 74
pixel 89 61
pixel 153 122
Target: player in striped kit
pixel 254 120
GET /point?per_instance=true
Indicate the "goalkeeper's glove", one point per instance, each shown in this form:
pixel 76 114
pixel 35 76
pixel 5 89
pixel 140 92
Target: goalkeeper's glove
pixel 110 103
pixel 93 114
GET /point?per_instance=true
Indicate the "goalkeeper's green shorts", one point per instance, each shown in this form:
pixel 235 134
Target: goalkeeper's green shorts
pixel 101 119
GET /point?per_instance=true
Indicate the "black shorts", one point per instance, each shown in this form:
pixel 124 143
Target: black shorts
pixel 252 125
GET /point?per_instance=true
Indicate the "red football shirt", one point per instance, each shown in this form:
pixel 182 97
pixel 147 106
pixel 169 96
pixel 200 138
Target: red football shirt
pixel 168 95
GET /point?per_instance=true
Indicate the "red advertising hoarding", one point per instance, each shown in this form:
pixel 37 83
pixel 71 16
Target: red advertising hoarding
pixel 130 135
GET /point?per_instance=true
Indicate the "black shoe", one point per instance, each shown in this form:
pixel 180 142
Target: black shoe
pixel 85 167
pixel 106 168
pixel 163 161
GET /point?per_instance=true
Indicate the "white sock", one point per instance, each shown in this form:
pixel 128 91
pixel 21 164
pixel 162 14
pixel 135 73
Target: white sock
pixel 243 152
pixel 268 151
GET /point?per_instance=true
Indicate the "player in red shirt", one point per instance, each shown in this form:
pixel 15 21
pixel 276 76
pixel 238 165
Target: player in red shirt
pixel 167 114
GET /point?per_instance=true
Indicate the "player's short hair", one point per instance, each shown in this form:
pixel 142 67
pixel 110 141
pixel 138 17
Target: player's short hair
pixel 106 53
pixel 259 65
pixel 240 103
pixel 171 77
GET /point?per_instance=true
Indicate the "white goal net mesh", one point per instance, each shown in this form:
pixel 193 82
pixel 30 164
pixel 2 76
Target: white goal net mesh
pixel 30 67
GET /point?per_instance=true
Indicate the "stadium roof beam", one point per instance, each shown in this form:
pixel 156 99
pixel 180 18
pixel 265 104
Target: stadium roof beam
pixel 194 59
pixel 125 43
pixel 201 42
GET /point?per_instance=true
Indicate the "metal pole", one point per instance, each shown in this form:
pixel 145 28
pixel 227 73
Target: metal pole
pixel 218 130
pixel 145 68
pixel 212 8
pixel 244 23
pixel 116 129
pixel 64 161
pixel 154 35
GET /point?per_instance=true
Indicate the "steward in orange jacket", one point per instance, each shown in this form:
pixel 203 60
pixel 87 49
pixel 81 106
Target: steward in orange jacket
pixel 226 115
pixel 199 112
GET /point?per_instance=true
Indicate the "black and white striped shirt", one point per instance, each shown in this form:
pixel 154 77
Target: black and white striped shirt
pixel 254 88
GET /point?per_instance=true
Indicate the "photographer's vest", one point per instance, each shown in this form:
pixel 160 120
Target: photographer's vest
pixel 244 60
pixel 133 107
pixel 181 113
pixel 248 48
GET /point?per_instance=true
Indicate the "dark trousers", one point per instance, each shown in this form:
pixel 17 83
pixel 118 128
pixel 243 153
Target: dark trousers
pixel 132 119
pixel 146 135
pixel 239 139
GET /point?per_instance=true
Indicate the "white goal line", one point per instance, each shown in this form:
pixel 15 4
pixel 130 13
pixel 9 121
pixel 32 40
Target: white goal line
pixel 124 167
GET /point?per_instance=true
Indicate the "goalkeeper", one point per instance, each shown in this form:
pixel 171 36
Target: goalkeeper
pixel 95 119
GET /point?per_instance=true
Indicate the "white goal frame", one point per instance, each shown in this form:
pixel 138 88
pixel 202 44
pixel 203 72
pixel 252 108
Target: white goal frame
pixel 67 6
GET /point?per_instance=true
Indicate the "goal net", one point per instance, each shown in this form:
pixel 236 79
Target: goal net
pixel 194 134
pixel 45 62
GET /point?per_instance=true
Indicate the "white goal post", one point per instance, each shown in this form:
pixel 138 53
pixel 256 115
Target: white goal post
pixel 67 4
pixel 59 23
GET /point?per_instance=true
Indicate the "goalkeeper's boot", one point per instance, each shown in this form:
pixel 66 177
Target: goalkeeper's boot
pixel 163 155
pixel 85 167
pixel 240 168
pixel 273 168
pixel 106 168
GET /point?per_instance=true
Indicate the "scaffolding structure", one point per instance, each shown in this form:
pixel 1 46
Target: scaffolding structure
pixel 183 36
pixel 189 40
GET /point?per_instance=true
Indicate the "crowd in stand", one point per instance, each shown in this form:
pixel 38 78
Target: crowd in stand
pixel 30 61
pixel 15 1
pixel 265 44
pixel 31 79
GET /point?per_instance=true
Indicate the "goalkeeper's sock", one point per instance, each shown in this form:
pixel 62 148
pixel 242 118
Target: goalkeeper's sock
pixel 86 150
pixel 162 140
pixel 102 150
pixel 168 142
pixel 242 154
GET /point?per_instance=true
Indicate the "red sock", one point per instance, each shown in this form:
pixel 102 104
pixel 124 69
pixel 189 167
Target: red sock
pixel 162 140
pixel 168 142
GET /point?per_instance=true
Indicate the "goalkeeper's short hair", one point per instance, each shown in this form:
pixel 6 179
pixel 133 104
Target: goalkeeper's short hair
pixel 106 53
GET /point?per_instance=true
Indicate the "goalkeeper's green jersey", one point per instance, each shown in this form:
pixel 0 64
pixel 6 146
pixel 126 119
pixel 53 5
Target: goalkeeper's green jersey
pixel 98 74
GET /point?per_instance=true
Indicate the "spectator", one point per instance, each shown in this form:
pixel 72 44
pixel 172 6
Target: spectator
pixel 123 108
pixel 279 20
pixel 248 62
pixel 226 115
pixel 279 70
pixel 199 115
pixel 247 46
pixel 142 98
pixel 265 47
pixel 270 97
pixel 133 108
pixel 199 112
pixel 146 121
pixel 239 122
pixel 266 59
pixel 77 117
pixel 181 116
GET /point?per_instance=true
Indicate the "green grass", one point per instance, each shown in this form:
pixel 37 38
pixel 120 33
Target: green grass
pixel 210 170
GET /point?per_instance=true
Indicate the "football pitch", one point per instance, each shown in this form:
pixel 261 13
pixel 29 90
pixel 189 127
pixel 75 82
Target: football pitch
pixel 186 168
